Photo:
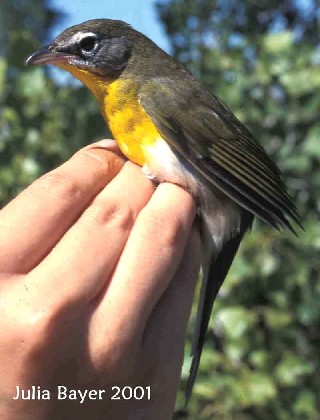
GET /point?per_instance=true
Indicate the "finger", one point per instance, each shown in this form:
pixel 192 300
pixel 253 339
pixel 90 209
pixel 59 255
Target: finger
pixel 169 320
pixel 164 336
pixel 148 263
pixel 111 145
pixel 81 263
pixel 35 220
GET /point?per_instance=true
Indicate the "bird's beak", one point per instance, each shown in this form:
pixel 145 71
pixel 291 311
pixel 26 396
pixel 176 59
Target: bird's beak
pixel 48 55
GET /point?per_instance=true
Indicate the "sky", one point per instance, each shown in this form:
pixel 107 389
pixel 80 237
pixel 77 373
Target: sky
pixel 141 14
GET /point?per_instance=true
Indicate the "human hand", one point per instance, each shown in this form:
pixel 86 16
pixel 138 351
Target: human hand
pixel 97 273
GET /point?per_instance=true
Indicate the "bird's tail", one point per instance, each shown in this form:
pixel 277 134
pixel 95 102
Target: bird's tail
pixel 211 283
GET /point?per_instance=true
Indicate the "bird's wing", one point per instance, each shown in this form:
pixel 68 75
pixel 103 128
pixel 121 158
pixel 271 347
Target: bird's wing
pixel 201 128
pixel 223 153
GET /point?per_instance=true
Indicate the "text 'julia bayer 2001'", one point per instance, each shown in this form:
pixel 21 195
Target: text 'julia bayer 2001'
pixel 36 392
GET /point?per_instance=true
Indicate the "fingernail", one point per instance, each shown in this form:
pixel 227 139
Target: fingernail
pixel 107 143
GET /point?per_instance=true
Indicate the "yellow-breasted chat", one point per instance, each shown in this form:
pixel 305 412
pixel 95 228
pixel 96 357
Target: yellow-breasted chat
pixel 164 120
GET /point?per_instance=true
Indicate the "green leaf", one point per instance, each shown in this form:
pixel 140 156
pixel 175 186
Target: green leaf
pixel 295 82
pixel 277 43
pixel 312 143
pixel 291 368
pixel 306 405
pixel 3 70
pixel 235 320
pixel 277 319
pixel 255 388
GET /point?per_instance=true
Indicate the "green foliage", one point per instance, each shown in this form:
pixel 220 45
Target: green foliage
pixel 41 123
pixel 261 358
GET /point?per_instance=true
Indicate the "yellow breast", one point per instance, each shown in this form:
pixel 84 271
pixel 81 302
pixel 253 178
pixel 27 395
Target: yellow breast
pixel 130 125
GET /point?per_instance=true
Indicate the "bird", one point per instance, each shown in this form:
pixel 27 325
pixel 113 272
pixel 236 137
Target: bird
pixel 167 122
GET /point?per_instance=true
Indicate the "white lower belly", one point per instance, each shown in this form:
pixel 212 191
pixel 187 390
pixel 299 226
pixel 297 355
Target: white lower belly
pixel 221 214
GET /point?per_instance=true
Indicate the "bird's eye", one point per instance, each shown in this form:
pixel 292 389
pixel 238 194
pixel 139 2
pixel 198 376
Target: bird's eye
pixel 88 44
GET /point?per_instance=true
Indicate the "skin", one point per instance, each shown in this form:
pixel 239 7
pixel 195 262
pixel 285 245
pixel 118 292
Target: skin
pixel 98 270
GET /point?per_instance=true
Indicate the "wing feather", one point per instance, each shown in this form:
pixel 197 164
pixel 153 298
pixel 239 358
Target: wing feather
pixel 200 127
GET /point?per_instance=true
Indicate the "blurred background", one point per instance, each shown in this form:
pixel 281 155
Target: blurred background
pixel 262 57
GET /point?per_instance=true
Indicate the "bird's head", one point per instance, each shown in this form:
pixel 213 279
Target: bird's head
pixel 96 49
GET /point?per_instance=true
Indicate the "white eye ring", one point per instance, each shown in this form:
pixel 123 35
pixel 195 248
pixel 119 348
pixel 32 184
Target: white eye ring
pixel 88 44
pixel 88 37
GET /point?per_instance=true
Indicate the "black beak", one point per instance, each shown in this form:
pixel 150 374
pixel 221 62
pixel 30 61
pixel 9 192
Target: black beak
pixel 47 55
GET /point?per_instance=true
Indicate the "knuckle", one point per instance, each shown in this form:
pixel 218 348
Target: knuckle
pixel 115 359
pixel 59 184
pixel 116 213
pixel 94 159
pixel 40 332
pixel 157 226
pixel 31 332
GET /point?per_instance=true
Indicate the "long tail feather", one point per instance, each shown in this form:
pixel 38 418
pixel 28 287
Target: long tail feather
pixel 211 284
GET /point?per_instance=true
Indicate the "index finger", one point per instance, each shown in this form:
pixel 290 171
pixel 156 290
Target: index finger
pixel 36 219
